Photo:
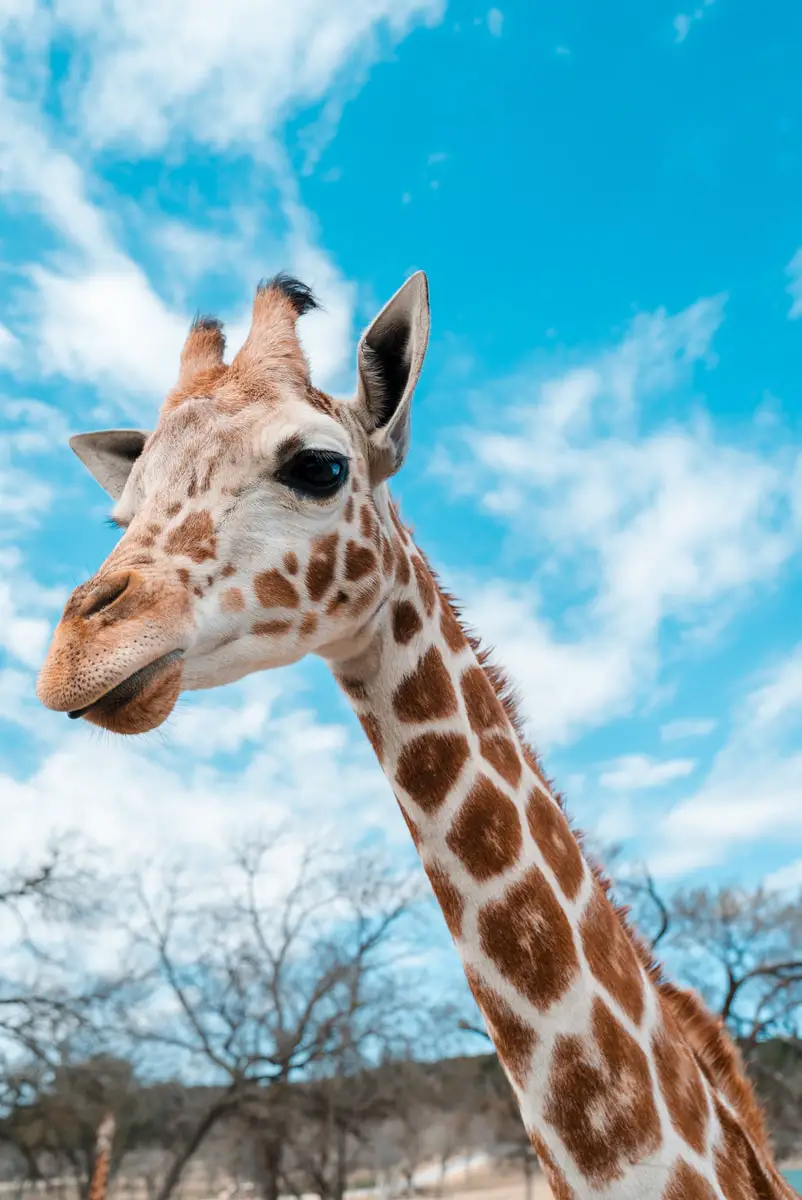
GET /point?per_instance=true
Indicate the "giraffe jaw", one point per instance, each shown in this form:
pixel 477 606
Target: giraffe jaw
pixel 140 702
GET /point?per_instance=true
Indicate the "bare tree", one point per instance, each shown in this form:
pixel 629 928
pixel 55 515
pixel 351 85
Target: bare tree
pixel 51 1008
pixel 250 990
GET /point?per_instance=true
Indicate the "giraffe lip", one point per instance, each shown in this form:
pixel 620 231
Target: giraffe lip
pixel 127 690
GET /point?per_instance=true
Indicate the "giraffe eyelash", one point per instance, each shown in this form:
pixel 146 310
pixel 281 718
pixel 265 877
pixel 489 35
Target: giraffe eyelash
pixel 114 523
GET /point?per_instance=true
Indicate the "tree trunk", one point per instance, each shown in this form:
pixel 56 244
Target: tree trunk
pixel 271 1168
pixel 341 1166
pixel 202 1130
pixel 528 1177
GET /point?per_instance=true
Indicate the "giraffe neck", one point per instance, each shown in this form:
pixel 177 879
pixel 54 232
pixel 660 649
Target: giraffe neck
pixel 611 1088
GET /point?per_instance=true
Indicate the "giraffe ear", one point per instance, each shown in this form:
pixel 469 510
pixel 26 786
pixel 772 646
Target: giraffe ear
pixel 109 455
pixel 389 361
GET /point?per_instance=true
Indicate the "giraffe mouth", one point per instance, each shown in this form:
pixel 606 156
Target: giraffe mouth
pixel 107 707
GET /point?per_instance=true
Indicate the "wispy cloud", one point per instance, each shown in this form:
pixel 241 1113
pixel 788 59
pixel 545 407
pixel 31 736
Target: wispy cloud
pixel 161 71
pixel 752 789
pixel 651 521
pixel 638 772
pixel 220 768
pixel 495 22
pixel 684 22
pixel 794 289
pixel 687 728
pixel 26 610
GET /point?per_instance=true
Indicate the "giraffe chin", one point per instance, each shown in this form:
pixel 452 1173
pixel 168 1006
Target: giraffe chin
pixel 148 709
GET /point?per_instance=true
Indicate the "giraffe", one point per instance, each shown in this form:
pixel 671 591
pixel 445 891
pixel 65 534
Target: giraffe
pixel 258 528
pixel 99 1183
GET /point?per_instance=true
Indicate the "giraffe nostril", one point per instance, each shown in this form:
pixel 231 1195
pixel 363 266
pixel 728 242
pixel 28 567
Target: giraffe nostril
pixel 105 594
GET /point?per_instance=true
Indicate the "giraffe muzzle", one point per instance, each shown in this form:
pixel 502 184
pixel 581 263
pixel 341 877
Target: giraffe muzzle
pixel 130 688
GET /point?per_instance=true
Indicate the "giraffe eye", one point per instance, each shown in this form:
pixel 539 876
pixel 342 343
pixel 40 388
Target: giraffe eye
pixel 315 473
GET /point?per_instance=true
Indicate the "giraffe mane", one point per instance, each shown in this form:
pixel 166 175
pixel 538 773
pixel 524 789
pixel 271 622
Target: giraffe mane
pixel 718 1057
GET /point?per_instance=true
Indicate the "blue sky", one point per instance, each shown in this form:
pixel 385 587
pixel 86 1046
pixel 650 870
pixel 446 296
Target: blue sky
pixel 607 458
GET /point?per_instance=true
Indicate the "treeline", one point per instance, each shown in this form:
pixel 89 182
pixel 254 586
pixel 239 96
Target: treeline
pixel 282 1019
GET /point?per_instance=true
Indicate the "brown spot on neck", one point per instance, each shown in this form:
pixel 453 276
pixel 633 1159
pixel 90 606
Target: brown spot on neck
pixel 355 688
pixel 600 1099
pixel 610 955
pixel 513 1038
pixel 739 1170
pixel 717 1056
pixel 426 585
pixel 687 1184
pixel 427 694
pixel 448 896
pixel 557 1181
pixel 429 767
pixel 406 622
pixel 680 1082
pixel 373 732
pixel 452 631
pixel 528 936
pixel 502 754
pixel 549 827
pixel 482 705
pixel 486 832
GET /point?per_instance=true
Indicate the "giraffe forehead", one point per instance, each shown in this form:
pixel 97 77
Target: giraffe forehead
pixel 257 433
pixel 203 446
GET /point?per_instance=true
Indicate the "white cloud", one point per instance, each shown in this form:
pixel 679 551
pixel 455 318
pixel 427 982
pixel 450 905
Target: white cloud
pixel 23 497
pixel 18 703
pixel 753 788
pixel 159 71
pixel 212 726
pixel 30 429
pixel 779 698
pixel 794 289
pixel 684 22
pixel 9 346
pixel 166 796
pixel 495 22
pixel 567 683
pixel 650 521
pixel 636 772
pixel 734 807
pixel 26 610
pixel 106 326
pixel 687 727
pixel 682 25
pixel 788 878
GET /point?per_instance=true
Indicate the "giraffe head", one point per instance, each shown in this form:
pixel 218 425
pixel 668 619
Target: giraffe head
pixel 256 524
